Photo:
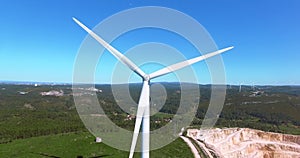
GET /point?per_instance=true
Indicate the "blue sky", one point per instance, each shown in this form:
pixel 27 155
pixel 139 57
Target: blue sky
pixel 39 41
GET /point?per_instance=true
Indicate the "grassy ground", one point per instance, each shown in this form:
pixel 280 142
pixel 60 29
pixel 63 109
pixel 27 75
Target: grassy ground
pixel 73 145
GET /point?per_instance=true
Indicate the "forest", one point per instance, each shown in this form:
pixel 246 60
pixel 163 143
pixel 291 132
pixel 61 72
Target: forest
pixel 25 112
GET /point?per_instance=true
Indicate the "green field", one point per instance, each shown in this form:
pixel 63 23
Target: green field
pixel 80 144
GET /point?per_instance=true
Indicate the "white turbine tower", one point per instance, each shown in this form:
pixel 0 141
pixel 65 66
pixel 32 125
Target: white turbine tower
pixel 143 111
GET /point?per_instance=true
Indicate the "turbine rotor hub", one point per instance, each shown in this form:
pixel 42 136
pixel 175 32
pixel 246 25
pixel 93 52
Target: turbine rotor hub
pixel 146 78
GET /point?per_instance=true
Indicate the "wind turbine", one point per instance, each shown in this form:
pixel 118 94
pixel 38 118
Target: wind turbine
pixel 240 90
pixel 143 111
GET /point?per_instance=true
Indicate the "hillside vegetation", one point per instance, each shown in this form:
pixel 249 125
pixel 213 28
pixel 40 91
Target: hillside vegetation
pixel 25 112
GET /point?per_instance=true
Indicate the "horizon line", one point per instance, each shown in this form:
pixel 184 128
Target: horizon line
pixel 71 83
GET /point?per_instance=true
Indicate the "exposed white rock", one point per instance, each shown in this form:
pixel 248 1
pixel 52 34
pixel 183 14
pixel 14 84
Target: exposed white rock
pixel 246 143
pixel 86 91
pixel 53 93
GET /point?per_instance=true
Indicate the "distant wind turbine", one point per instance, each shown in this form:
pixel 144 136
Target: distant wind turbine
pixel 143 111
pixel 240 90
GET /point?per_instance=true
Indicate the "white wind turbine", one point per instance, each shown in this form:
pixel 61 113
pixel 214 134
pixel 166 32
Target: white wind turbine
pixel 143 111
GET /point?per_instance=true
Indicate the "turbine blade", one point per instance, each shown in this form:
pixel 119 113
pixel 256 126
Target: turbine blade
pixel 183 64
pixel 113 51
pixel 143 103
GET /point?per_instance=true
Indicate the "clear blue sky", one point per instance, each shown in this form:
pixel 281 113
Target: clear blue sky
pixel 39 41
